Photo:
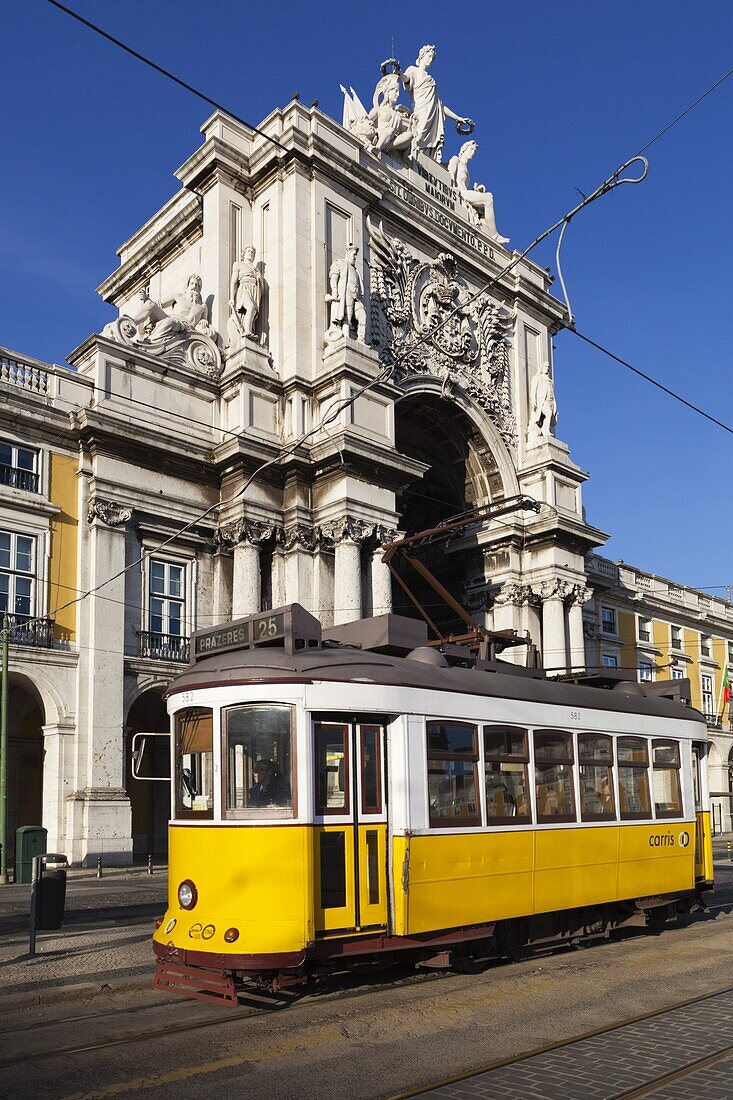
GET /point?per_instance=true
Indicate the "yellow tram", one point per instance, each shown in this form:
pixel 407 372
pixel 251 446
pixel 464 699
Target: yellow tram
pixel 351 793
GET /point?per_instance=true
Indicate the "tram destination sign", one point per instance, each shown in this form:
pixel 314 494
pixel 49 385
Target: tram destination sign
pixel 291 627
pixel 240 635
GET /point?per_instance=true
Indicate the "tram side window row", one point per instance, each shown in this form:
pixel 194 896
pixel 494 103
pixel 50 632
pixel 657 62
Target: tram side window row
pixel 457 750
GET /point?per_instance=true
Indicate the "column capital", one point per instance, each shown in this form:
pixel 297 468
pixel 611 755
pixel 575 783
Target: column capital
pixel 253 531
pixel 580 594
pixel 109 512
pixel 299 536
pixel 518 594
pixel 384 536
pixel 346 529
pixel 555 589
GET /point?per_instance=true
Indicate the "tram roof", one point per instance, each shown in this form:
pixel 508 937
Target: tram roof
pixel 343 664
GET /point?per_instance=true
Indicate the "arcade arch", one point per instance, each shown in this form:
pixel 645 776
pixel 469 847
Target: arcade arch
pixel 468 465
pixel 149 801
pixel 26 719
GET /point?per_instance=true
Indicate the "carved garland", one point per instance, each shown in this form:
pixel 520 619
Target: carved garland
pixel 425 321
pixel 110 513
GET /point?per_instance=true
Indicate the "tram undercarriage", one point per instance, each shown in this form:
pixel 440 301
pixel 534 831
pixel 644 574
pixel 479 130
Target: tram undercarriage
pixel 214 977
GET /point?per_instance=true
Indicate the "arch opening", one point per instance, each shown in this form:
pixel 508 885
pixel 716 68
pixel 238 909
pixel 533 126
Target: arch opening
pixel 26 719
pixel 150 802
pixel 462 474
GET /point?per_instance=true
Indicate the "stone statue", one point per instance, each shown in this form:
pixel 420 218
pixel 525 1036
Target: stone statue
pixel 479 201
pixel 392 121
pixel 146 314
pixel 189 313
pixel 543 407
pixel 245 296
pixel 428 111
pixel 357 121
pixel 346 298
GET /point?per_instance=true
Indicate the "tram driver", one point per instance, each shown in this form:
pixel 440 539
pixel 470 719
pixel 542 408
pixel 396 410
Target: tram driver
pixel 269 788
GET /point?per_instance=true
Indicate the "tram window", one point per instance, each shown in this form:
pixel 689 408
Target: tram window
pixel 194 762
pixel 505 775
pixel 633 778
pixel 371 779
pixel 595 760
pixel 452 774
pixel 666 779
pixel 258 754
pixel 332 768
pixel 553 752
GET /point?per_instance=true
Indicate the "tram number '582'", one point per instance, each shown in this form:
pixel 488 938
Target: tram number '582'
pixel 574 715
pixel 265 629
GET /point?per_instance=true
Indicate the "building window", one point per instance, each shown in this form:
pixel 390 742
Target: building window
pixel 608 620
pixel 18 467
pixel 645 629
pixel 677 672
pixel 452 774
pixel 166 637
pixel 705 645
pixel 609 660
pixel 676 637
pixel 17 574
pixel 730 653
pixel 646 671
pixel 706 683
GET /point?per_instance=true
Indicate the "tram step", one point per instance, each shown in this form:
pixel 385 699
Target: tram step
pixel 194 981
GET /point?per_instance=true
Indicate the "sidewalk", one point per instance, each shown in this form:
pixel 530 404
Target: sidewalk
pixel 103 944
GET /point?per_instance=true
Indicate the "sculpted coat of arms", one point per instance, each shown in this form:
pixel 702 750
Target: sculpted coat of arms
pixel 426 321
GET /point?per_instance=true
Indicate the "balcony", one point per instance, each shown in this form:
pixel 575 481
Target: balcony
pixel 16 478
pixel 25 630
pixel 162 647
pixel 714 721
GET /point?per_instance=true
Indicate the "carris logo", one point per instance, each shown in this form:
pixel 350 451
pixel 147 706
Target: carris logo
pixel 683 839
pixel 662 840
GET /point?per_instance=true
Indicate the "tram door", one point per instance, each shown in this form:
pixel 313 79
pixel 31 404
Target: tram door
pixel 350 856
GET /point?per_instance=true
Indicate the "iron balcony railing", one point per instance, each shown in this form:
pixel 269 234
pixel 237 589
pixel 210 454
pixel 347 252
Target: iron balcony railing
pixel 714 721
pixel 163 647
pixel 25 630
pixel 16 478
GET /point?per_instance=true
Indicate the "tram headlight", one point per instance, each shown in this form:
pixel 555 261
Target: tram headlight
pixel 187 894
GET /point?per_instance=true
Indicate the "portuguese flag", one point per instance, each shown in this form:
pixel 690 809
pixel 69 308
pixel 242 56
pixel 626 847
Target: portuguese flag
pixel 726 687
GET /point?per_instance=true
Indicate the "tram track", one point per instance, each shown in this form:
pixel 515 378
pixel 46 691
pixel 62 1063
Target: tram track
pixel 214 1020
pixel 646 1089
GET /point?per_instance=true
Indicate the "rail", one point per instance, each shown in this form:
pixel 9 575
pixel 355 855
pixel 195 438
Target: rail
pixel 15 478
pixel 162 647
pixel 14 372
pixel 26 630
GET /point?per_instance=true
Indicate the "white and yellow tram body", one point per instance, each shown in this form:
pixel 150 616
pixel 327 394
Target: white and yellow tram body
pixel 417 808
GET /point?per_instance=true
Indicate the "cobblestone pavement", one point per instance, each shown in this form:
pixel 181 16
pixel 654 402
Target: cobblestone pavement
pixel 605 1066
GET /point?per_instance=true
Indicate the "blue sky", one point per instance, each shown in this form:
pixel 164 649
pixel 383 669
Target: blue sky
pixel 561 94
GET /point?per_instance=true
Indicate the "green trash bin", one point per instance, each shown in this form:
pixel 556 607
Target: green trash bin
pixel 30 841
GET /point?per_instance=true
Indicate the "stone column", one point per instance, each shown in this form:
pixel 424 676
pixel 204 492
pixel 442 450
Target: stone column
pixel 554 642
pixel 347 535
pixel 510 613
pixel 380 576
pixel 580 595
pixel 298 542
pixel 99 814
pixel 246 537
pixel 58 746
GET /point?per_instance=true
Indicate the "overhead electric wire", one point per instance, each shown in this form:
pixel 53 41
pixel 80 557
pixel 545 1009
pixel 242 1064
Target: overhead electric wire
pixel 165 72
pixel 686 111
pixel 652 381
